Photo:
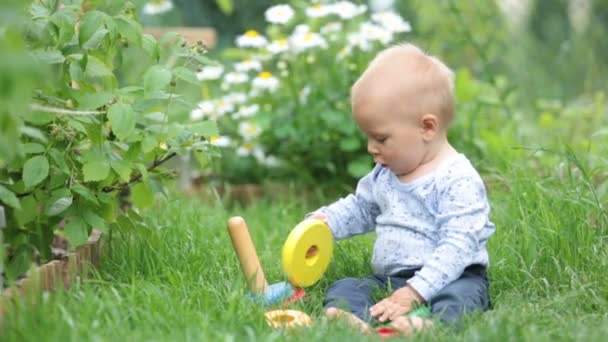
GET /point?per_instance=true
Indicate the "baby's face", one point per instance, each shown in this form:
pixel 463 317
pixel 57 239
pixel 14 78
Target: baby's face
pixel 395 141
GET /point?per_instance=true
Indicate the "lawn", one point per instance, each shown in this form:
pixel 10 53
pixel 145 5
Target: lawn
pixel 179 279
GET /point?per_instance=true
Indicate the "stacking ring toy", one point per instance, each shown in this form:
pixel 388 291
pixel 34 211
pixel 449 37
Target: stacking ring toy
pixel 307 252
pixel 287 318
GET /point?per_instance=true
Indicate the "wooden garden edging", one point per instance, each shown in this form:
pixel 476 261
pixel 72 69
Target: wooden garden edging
pixel 56 272
pixel 192 35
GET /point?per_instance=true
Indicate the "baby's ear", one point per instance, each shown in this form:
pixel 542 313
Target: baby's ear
pixel 429 126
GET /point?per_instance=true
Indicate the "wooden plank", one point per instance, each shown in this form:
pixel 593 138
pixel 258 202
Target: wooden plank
pixel 192 34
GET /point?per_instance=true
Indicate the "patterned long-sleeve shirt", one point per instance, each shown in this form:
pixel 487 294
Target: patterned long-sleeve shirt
pixel 438 223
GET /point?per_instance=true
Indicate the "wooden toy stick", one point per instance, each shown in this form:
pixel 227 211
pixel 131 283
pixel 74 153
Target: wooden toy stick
pixel 245 251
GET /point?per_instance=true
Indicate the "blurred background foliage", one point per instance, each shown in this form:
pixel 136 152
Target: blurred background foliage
pixel 530 72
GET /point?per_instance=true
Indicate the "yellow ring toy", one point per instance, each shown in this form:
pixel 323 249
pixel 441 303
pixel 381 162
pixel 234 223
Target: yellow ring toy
pixel 287 318
pixel 307 252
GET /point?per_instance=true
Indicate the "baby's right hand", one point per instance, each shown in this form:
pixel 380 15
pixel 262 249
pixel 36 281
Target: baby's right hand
pixel 318 216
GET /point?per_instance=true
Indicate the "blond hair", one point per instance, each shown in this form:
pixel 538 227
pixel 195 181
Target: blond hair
pixel 430 83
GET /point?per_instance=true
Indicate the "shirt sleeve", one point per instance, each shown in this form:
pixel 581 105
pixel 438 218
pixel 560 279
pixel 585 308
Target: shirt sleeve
pixel 356 213
pixel 463 215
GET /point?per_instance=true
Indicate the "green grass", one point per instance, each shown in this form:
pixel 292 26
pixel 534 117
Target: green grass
pixel 179 280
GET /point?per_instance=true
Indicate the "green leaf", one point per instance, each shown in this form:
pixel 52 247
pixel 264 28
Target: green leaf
pixel 35 170
pixel 141 195
pixel 94 220
pixel 90 23
pixel 95 40
pixel 65 20
pixel 122 118
pixel 122 168
pixel 148 143
pixel 32 148
pixel 226 6
pixel 85 193
pixel 97 68
pixel 59 202
pixel 205 128
pixel 8 197
pixel 95 171
pixel 186 74
pixel 349 144
pixel 150 46
pixel 76 232
pixel 59 160
pixel 129 29
pixel 34 133
pixel 28 212
pixel 156 78
pixel 91 100
pixel 51 56
pixel 360 167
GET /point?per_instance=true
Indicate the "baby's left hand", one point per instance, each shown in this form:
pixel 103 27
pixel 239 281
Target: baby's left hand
pixel 397 304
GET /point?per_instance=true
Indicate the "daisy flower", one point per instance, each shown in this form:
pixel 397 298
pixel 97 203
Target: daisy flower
pixel 156 7
pixel 373 32
pixel 318 11
pixel 279 14
pixel 252 39
pixel 245 150
pixel 220 141
pixel 210 72
pixel 247 65
pixel 246 111
pixel 204 109
pixel 265 81
pixel 347 10
pixel 277 46
pixel 235 98
pixel 392 22
pixel 235 78
pixel 249 130
pixel 305 41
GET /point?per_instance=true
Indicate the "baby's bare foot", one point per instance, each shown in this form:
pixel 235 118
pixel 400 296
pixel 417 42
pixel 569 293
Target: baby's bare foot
pixel 407 326
pixel 354 321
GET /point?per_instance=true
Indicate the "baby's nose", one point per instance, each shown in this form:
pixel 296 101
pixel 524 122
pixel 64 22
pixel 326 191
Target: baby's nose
pixel 372 149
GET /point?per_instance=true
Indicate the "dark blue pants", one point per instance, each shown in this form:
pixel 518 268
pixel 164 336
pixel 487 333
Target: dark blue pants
pixel 466 294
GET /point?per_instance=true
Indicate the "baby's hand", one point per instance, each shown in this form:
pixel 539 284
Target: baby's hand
pixel 318 216
pixel 397 304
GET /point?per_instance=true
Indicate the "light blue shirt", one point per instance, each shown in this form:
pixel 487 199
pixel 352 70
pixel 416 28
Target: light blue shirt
pixel 439 222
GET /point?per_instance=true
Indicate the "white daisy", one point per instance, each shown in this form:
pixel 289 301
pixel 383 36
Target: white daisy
pixel 222 107
pixel 265 81
pixel 220 141
pixel 357 40
pixel 347 10
pixel 245 150
pixel 252 39
pixel 204 109
pixel 235 98
pixel 373 32
pixel 305 41
pixel 246 111
pixel 271 161
pixel 156 7
pixel 392 22
pixel 331 27
pixel 247 65
pixel 235 78
pixel 277 46
pixel 279 14
pixel 210 72
pixel 249 130
pixel 318 11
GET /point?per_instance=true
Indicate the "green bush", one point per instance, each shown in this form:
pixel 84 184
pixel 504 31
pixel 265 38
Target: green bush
pixel 91 107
